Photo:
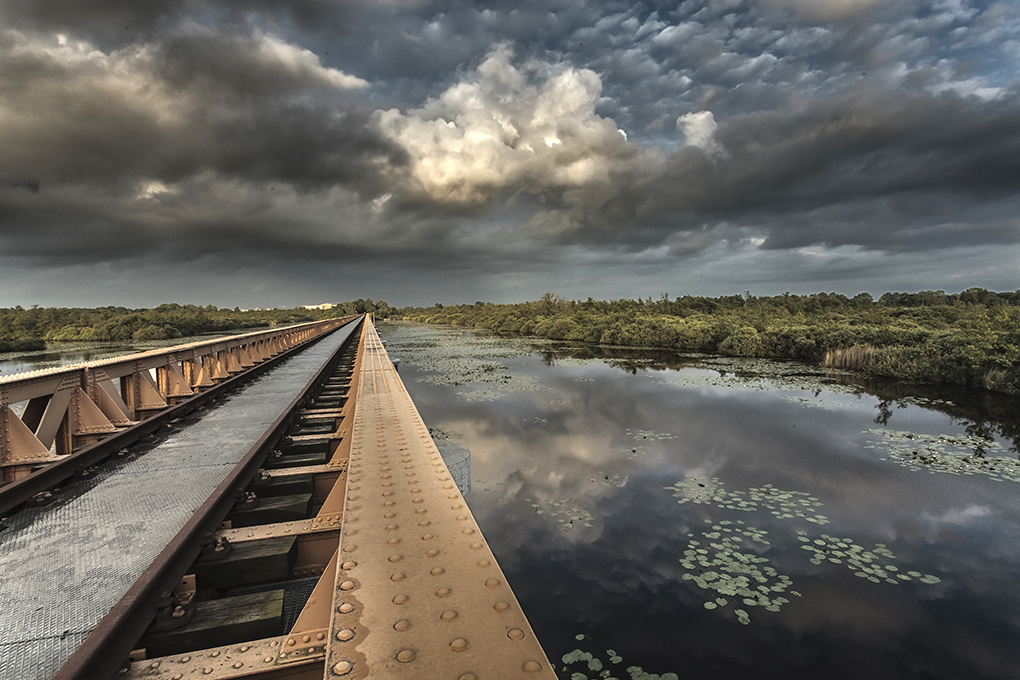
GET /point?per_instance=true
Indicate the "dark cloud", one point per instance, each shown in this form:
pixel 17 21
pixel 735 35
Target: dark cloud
pixel 624 136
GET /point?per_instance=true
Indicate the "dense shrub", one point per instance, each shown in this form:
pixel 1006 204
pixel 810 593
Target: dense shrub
pixel 969 338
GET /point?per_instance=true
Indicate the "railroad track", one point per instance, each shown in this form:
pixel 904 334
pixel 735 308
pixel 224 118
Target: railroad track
pixel 338 546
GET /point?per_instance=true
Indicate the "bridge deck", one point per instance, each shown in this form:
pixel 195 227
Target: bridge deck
pixel 418 592
pixel 62 567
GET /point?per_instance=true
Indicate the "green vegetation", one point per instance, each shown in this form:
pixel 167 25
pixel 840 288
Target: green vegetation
pixel 27 329
pixel 969 338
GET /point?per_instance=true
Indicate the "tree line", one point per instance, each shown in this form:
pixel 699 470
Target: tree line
pixel 24 329
pixel 969 338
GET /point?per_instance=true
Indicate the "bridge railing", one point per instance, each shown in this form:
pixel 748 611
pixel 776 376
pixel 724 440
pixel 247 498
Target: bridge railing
pixel 69 407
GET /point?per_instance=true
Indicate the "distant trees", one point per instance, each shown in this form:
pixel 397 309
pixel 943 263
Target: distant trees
pixel 120 324
pixel 970 338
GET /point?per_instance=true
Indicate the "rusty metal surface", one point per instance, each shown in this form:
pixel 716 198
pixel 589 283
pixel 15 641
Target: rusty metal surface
pixel 418 593
pixel 63 566
pixel 155 356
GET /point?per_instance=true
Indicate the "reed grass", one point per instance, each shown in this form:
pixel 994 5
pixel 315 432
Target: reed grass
pixel 857 358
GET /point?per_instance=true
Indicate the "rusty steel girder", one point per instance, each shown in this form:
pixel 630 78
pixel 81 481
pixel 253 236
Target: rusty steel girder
pixel 70 407
pixel 409 587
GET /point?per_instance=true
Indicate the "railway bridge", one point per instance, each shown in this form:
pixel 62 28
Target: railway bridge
pixel 269 505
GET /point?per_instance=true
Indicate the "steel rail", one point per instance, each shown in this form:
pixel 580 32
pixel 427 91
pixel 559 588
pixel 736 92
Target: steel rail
pixel 17 493
pixel 102 654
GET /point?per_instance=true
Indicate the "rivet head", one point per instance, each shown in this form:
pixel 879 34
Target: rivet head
pixel 268 659
pixel 348 565
pixel 402 624
pixel 476 546
pixel 389 504
pixel 291 642
pixel 421 511
pixel 515 634
pixel 396 558
pixel 532 667
pixel 449 615
pixel 393 541
pixel 400 599
pixel 432 553
pixel 438 571
pixel 468 532
pixel 347 585
pixel 459 645
pixel 501 606
pixel 492 583
pixel 483 563
pixel 185 659
pixel 405 656
pixel 206 671
pixel 306 638
pixel 238 665
pixel 389 515
pixel 346 608
pixel 442 592
pixel 342 668
pixel 461 518
pixel 468 676
pixel 320 636
pixel 427 537
pixel 344 634
pixel 424 523
pixel 244 648
pixel 350 548
pixel 397 577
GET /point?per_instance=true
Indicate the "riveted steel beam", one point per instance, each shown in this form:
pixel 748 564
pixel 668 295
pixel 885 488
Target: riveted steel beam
pixel 418 592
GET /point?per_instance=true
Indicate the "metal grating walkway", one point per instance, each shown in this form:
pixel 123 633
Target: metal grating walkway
pixel 64 566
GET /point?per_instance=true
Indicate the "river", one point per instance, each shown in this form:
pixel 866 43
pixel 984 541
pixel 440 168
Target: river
pixel 716 518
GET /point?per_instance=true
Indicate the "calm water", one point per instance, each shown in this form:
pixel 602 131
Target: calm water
pixel 722 518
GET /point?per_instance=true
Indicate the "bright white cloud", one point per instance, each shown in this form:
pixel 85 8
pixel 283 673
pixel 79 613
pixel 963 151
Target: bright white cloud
pixel 532 127
pixel 699 130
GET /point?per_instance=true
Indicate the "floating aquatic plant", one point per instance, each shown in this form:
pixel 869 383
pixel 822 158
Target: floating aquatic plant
pixel 632 452
pixel 567 516
pixel 947 454
pixel 782 504
pixel 874 565
pixel 453 357
pixel 649 434
pixel 608 481
pixel 588 666
pixel 726 564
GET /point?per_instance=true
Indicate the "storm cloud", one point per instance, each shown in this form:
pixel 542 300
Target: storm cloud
pixel 604 149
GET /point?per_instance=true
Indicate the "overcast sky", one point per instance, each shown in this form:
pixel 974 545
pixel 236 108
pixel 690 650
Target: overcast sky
pixel 263 152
